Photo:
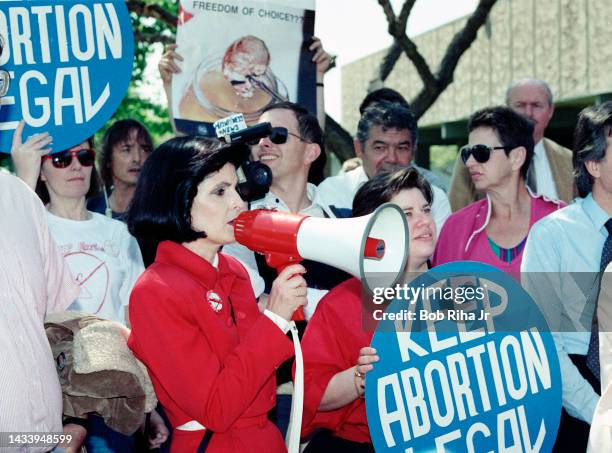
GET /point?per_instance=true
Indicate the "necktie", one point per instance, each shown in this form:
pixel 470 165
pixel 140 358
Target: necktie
pixel 592 359
pixel 531 176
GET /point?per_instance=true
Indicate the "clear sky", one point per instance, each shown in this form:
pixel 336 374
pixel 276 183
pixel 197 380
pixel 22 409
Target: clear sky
pixel 352 29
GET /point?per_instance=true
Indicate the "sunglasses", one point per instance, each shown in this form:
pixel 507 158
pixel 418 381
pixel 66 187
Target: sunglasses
pixel 279 136
pixel 63 159
pixel 481 153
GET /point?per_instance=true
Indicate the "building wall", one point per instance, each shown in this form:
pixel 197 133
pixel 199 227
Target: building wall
pixel 565 42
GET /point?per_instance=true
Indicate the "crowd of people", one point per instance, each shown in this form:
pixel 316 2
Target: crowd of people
pixel 151 246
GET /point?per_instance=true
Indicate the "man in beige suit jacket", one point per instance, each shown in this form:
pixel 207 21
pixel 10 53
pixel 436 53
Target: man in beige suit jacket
pixel 551 171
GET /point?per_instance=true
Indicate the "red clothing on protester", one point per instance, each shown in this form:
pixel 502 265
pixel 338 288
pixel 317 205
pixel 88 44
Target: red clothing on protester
pixel 331 344
pixel 212 365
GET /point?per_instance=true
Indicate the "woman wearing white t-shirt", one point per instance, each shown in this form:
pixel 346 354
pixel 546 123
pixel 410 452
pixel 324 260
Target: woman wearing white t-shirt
pixel 103 257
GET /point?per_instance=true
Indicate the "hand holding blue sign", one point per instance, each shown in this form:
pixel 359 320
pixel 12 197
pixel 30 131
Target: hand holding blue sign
pixel 367 356
pixel 455 375
pixel 57 55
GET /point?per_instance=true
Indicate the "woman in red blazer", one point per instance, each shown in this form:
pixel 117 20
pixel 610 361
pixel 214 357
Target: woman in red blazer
pixel 196 325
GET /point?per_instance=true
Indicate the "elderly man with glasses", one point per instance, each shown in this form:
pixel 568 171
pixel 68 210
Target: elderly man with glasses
pixel 494 230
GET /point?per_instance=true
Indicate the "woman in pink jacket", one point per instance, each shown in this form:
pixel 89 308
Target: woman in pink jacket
pixel 494 230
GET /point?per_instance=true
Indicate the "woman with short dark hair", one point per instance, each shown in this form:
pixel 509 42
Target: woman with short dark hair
pixel 210 353
pixel 494 230
pixel 335 346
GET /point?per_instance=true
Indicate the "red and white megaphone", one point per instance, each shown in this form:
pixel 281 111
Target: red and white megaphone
pixel 373 248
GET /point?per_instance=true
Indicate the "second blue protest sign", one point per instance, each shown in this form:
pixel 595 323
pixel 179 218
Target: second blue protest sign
pixel 70 64
pixel 467 365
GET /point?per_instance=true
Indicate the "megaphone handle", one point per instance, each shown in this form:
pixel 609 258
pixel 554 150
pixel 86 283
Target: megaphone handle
pixel 280 262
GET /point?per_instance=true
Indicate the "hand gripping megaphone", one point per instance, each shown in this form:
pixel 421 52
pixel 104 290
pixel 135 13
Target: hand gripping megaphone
pixel 373 248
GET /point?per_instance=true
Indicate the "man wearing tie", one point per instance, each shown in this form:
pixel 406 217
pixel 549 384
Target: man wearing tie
pixel 564 257
pixel 600 437
pixel 550 173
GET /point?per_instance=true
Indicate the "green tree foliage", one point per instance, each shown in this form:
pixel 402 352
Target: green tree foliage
pixel 154 24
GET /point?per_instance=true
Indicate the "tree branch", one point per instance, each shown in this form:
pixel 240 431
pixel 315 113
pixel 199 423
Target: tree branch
pixel 462 41
pixel 152 38
pixel 433 85
pixel 389 60
pixel 337 140
pixel 398 31
pixel 405 13
pixel 388 10
pixel 459 44
pixel 412 52
pixel 142 8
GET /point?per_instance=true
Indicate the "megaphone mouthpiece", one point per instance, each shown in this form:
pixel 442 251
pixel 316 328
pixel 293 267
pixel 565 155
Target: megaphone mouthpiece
pixel 374 248
pixel 269 232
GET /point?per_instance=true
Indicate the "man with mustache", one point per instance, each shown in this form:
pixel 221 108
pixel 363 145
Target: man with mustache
pixel 386 141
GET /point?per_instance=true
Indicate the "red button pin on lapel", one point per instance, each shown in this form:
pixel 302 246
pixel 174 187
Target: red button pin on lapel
pixel 214 300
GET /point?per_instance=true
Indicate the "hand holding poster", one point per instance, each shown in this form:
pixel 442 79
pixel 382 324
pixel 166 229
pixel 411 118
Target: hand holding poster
pixel 58 54
pixel 464 373
pixel 239 57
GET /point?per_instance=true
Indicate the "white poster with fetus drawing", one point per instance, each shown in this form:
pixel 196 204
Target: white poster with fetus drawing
pixel 239 57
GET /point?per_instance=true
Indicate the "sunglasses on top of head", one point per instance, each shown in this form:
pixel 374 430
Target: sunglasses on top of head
pixel 63 159
pixel 481 153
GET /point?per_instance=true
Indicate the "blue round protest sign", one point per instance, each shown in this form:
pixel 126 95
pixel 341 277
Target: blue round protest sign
pixel 70 64
pixel 467 363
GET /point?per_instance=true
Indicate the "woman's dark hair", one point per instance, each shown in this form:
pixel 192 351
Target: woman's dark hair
pixel 382 95
pixel 513 129
pixel 161 207
pixel 591 136
pixel 381 188
pixel 94 182
pixel 118 133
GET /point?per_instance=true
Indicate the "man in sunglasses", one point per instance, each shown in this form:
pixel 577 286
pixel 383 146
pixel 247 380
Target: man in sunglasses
pixel 295 153
pixel 550 173
pixel 35 281
pixel 386 139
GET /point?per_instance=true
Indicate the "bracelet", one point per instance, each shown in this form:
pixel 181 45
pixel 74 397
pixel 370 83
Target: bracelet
pixel 320 84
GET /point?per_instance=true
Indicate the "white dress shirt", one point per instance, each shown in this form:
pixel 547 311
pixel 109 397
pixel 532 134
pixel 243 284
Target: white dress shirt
pixel 338 191
pixel 247 257
pixel 559 269
pixel 544 178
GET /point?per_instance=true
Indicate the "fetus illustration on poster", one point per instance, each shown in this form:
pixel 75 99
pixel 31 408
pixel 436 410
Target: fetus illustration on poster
pixel 241 57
